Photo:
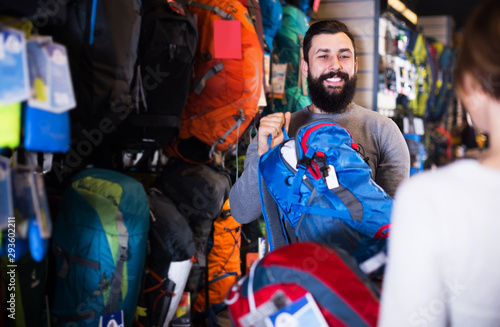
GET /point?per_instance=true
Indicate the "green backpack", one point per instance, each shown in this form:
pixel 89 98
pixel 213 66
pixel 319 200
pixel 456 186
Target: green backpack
pixel 288 47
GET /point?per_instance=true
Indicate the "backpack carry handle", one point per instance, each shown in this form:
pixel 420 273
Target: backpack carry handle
pixel 270 138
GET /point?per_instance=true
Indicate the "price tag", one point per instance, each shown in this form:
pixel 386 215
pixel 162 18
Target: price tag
pixel 14 84
pixel 331 180
pixel 39 73
pixel 61 87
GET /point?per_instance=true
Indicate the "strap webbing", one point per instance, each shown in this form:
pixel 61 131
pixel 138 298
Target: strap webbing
pixel 222 139
pixel 214 9
pixel 80 316
pixel 114 294
pixel 199 85
pixel 167 294
pixel 68 257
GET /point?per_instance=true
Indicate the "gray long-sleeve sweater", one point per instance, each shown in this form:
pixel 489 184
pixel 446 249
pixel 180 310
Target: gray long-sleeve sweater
pixel 380 137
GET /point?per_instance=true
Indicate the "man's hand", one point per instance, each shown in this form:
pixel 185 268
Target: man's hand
pixel 272 125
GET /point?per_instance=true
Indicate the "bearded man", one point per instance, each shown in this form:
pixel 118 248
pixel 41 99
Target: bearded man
pixel 330 65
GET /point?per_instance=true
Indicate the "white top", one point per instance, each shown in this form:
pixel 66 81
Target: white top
pixel 444 249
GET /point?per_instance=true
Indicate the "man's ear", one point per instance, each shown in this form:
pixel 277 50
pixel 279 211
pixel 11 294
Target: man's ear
pixel 355 65
pixel 304 67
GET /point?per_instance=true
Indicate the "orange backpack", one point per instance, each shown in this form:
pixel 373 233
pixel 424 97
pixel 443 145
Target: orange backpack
pixel 224 263
pixel 224 92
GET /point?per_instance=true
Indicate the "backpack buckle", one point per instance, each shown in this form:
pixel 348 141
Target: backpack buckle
pixel 304 162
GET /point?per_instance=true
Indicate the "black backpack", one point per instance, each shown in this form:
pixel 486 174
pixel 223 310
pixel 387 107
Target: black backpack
pixel 167 47
pixel 101 38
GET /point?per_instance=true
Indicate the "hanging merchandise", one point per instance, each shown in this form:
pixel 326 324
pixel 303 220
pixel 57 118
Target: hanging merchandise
pixel 419 56
pixel 272 15
pixel 10 125
pixel 101 38
pixel 6 202
pixel 255 13
pixel 14 85
pixel 444 85
pixel 224 267
pixel 199 192
pixel 417 152
pixel 405 73
pixel 168 262
pixel 46 116
pixel 167 46
pixel 30 228
pixel 100 239
pixel 288 50
pixel 227 82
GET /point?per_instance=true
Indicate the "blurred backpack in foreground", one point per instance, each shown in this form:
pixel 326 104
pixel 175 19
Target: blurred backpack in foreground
pixel 309 284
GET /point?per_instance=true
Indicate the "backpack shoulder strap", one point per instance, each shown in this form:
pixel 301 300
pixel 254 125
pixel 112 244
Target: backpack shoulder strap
pixel 114 295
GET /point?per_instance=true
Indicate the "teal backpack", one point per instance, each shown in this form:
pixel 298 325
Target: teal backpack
pixel 100 240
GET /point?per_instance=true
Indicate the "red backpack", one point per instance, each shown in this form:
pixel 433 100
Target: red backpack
pixel 332 279
pixel 224 92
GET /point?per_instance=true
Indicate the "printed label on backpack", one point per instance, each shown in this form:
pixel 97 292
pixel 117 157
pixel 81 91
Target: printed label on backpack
pixel 331 179
pixel 257 318
pixel 114 319
pixel 302 312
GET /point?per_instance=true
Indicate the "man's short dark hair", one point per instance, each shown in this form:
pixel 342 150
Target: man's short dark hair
pixel 325 27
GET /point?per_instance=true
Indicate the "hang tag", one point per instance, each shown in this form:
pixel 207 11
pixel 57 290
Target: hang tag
pixel 39 73
pixel 302 312
pixel 278 80
pixel 6 207
pixel 227 39
pixel 114 319
pixel 262 97
pixel 2 51
pixel 14 84
pixel 60 85
pixel 331 180
pixel 267 72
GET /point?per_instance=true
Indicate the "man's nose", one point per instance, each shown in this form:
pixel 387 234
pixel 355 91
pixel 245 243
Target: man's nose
pixel 334 64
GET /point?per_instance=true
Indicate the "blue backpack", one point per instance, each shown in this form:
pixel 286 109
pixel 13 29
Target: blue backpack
pixel 288 41
pixel 323 192
pixel 100 239
pixel 272 14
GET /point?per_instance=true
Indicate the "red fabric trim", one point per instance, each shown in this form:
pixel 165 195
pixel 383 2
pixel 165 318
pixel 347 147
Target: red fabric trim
pixel 158 278
pixel 382 232
pixel 314 170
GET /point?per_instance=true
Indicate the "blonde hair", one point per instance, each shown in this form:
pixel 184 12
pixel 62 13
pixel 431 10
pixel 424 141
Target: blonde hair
pixel 479 55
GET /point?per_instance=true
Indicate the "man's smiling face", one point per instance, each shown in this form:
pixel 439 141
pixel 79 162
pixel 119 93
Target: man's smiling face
pixel 331 72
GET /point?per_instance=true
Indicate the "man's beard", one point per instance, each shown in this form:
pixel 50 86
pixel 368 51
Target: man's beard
pixel 329 100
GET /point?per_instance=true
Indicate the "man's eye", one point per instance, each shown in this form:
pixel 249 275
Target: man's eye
pixel 344 57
